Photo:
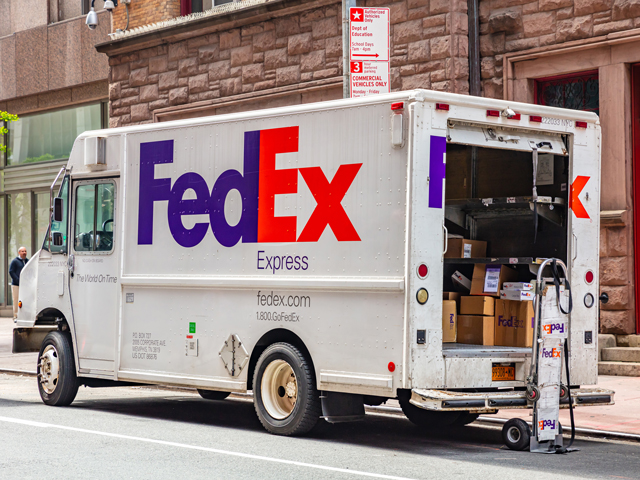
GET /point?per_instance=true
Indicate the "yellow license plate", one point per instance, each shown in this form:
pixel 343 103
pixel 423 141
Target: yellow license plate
pixel 503 373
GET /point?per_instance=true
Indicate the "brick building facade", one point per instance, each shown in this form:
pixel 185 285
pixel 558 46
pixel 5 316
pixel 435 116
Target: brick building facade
pixel 257 54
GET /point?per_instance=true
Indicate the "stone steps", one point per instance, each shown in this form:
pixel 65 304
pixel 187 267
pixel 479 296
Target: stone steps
pixel 626 369
pixel 621 354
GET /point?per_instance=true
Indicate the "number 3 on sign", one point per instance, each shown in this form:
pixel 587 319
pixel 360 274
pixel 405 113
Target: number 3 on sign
pixel 356 67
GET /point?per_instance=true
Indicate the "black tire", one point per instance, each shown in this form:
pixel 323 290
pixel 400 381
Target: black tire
pixel 278 412
pixel 516 434
pixel 62 389
pixel 213 394
pixel 427 419
pixel 466 418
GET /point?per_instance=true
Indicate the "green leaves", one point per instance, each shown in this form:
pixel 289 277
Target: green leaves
pixel 5 117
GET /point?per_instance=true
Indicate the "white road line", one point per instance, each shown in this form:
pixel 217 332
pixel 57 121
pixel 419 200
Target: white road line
pixel 204 449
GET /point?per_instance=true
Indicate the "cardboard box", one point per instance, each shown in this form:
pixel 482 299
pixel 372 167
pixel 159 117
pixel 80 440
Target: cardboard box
pixel 476 329
pixel 488 279
pixel 517 286
pixel 519 295
pixel 514 323
pixel 452 296
pixel 449 321
pixel 477 306
pixel 463 248
pixel 460 280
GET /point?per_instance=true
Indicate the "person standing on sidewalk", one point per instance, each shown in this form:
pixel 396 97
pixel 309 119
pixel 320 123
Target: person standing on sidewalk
pixel 17 264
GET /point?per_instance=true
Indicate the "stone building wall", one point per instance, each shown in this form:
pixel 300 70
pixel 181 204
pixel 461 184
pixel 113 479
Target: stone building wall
pixel 145 13
pixel 429 49
pixel 517 25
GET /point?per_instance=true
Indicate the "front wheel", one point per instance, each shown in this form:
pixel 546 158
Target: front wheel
pixel 57 380
pixel 284 391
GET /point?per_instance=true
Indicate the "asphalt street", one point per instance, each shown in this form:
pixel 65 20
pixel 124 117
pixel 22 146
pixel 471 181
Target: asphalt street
pixel 153 433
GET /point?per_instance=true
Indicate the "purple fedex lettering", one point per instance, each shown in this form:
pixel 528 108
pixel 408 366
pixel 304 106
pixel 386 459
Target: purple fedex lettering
pixel 437 170
pixel 159 189
pixel 152 189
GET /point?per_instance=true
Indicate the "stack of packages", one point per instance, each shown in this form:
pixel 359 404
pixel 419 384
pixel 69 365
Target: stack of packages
pixel 514 315
pixel 476 323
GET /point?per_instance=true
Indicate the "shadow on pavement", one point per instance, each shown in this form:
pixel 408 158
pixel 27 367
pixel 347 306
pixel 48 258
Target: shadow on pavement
pixel 597 458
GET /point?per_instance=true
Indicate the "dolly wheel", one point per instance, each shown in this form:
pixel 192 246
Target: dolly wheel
pixel 516 434
pixel 564 392
pixel 533 394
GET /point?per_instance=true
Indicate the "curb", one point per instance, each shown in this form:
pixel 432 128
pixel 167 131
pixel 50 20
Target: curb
pixel 395 411
pixel 10 371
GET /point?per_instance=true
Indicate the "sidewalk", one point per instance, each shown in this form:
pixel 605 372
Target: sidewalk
pixel 623 417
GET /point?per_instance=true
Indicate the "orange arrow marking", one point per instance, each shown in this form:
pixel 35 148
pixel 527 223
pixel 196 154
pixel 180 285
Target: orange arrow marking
pixel 574 202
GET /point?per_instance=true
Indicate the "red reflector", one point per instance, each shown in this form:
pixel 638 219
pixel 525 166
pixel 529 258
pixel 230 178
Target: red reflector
pixel 442 106
pixel 535 118
pixel 581 124
pixel 514 117
pixel 422 271
pixel 392 366
pixel 588 277
pixel 493 113
pixel 397 106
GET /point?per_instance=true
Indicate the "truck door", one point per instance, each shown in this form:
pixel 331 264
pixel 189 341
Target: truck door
pixel 94 285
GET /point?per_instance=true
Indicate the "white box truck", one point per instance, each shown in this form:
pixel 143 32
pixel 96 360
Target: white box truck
pixel 298 253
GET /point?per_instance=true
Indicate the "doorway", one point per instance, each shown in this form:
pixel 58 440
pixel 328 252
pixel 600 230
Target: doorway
pixel 635 125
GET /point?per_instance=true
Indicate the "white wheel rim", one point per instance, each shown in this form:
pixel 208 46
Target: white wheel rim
pixel 279 389
pixel 513 434
pixel 49 369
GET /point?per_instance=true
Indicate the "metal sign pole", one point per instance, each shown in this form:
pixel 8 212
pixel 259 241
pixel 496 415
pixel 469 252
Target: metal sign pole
pixel 346 83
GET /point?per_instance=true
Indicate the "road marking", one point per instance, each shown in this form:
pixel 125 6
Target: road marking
pixel 204 449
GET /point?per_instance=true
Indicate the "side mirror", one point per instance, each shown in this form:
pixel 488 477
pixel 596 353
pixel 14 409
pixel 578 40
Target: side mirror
pixel 57 239
pixel 57 209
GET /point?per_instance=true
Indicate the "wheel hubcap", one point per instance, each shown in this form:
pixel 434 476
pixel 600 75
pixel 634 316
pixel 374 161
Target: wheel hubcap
pixel 49 369
pixel 513 434
pixel 279 389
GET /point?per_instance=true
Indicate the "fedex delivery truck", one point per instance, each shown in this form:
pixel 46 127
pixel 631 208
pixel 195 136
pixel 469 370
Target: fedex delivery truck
pixel 299 253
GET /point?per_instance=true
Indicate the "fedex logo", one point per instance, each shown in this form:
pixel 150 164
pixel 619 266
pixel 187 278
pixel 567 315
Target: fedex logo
pixel 510 322
pixel 547 423
pixel 258 185
pixel 551 353
pixel 553 327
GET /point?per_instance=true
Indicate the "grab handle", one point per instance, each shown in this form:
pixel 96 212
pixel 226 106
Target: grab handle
pixel 446 239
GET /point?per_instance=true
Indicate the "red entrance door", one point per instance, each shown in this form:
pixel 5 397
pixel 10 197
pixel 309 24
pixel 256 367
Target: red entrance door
pixel 635 120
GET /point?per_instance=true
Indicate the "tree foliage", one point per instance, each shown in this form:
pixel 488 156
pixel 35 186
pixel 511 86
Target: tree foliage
pixel 5 118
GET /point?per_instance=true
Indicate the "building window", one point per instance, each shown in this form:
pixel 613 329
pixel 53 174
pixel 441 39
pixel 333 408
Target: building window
pixel 193 6
pixel 50 135
pixel 578 92
pixel 86 6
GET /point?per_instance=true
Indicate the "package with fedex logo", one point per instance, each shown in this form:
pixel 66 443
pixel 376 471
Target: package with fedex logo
pixel 449 321
pixel 514 323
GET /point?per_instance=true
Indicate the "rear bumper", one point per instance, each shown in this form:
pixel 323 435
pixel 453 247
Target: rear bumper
pixel 491 402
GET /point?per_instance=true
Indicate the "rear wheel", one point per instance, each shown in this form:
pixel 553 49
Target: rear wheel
pixel 57 380
pixel 427 418
pixel 213 395
pixel 516 434
pixel 284 391
pixel 466 418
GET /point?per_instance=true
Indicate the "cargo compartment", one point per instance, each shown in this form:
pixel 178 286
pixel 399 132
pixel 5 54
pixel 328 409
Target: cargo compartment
pixel 491 206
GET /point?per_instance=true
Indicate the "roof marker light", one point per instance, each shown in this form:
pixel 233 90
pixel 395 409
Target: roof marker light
pixel 516 116
pixel 397 106
pixel 442 106
pixel 581 124
pixel 535 118
pixel 493 113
